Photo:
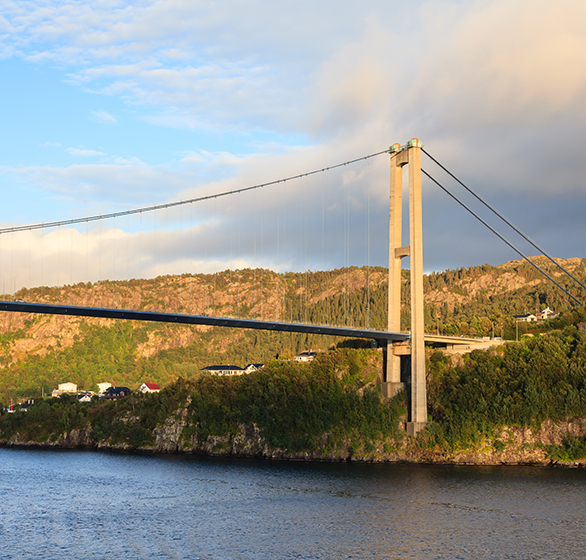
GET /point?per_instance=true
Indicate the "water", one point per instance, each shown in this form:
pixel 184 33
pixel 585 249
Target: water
pixel 75 504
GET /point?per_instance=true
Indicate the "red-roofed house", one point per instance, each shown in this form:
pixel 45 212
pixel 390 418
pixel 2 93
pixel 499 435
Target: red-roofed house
pixel 149 388
pixel 547 313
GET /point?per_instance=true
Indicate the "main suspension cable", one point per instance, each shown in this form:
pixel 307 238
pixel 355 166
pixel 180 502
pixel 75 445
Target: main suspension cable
pixel 44 225
pixel 500 236
pixel 511 225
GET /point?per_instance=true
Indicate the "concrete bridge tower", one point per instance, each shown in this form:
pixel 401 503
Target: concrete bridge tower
pixel 410 155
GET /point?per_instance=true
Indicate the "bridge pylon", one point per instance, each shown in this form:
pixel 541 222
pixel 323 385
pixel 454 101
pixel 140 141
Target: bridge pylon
pixel 409 154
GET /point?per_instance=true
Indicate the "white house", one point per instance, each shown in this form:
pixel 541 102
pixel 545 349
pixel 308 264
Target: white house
pixel 67 387
pixel 547 313
pixel 527 318
pixel 253 367
pixel 103 386
pixel 64 388
pixel 307 356
pixel 224 370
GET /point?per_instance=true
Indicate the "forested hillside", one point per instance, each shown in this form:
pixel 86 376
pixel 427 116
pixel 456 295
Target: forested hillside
pixel 328 408
pixel 465 298
pixel 38 352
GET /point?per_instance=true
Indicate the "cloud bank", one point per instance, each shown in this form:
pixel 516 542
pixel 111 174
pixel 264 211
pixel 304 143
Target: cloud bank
pixel 496 91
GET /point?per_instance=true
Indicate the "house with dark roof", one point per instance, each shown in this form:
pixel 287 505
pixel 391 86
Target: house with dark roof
pixel 116 392
pixel 526 318
pixel 223 370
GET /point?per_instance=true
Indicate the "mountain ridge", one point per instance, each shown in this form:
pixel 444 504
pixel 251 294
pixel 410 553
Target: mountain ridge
pixel 37 352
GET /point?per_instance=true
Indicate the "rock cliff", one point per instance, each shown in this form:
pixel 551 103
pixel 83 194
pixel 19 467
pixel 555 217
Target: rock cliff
pixel 510 446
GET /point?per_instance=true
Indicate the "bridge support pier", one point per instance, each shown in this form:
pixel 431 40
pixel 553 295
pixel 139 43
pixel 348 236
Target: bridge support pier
pixel 407 155
pixel 389 389
pixel 395 357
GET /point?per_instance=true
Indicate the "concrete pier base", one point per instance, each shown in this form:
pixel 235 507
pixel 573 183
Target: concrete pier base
pixel 390 389
pixel 413 428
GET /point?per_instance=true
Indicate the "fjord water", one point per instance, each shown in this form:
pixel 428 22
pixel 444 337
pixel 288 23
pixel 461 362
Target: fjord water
pixel 84 504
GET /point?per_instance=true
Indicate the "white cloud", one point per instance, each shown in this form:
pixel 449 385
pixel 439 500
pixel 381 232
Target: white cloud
pixel 516 63
pixel 82 152
pixel 215 160
pixel 102 116
pixel 292 225
pixel 107 185
pixel 50 145
pixel 496 90
pixel 127 161
pixel 215 63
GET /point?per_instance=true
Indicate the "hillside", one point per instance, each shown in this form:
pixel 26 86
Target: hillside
pixel 524 403
pixel 465 298
pixel 37 352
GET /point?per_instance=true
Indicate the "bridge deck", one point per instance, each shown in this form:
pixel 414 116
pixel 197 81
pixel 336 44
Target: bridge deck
pixel 73 311
pixel 453 340
pixel 22 307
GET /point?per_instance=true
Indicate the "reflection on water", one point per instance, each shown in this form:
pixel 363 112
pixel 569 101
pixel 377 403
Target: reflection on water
pixel 72 504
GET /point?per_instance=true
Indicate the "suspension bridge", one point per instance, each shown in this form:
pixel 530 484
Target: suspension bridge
pixel 400 347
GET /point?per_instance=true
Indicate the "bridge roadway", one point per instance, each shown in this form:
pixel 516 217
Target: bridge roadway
pixel 452 340
pixel 73 311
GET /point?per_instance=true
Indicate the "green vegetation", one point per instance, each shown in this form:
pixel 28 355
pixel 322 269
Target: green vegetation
pixel 294 407
pixel 571 449
pixel 325 406
pixel 111 353
pixel 520 384
pixel 332 404
pixel 482 300
pixel 477 301
pixel 98 353
pixel 128 420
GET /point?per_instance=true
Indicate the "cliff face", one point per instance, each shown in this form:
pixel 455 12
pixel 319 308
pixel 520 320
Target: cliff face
pixel 510 446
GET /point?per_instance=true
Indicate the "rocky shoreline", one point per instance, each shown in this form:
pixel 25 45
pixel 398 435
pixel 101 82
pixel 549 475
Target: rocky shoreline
pixel 510 446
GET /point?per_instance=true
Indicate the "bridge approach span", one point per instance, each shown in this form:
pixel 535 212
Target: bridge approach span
pixel 452 340
pixel 72 311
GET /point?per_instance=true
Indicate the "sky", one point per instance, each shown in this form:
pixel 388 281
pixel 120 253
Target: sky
pixel 110 105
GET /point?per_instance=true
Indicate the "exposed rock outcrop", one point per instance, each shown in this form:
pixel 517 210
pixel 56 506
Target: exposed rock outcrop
pixel 510 446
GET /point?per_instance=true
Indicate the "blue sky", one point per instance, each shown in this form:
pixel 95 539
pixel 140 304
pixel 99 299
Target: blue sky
pixel 112 105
